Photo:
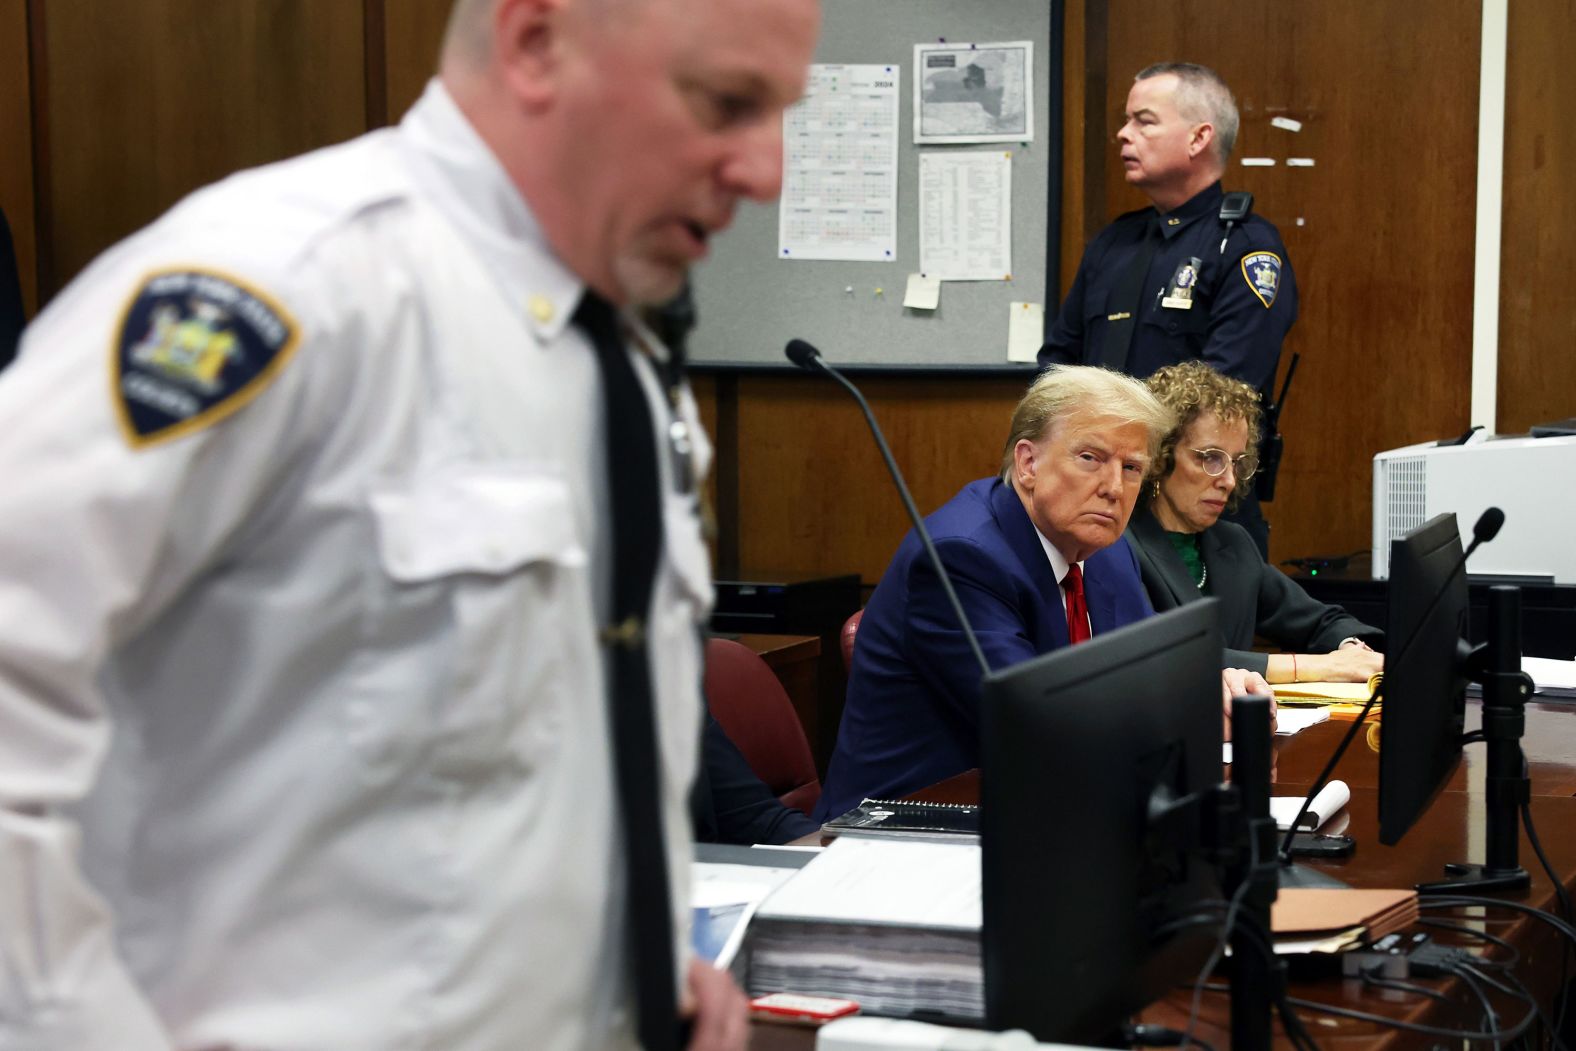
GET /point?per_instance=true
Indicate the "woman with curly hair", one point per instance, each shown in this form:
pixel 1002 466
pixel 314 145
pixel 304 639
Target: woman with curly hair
pixel 1186 553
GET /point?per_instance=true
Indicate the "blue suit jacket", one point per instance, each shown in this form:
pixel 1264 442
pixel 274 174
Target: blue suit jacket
pixel 912 715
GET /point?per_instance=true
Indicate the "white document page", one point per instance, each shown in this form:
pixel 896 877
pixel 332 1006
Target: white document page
pixel 965 215
pixel 1290 721
pixel 886 881
pixel 723 898
pixel 840 166
pixel 1326 804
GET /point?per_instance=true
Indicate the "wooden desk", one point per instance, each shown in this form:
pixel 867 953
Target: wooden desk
pixel 796 661
pixel 1443 834
pixel 1450 830
pixel 1549 744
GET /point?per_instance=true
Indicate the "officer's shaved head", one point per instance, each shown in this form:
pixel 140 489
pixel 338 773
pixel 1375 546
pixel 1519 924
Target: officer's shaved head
pixel 1202 97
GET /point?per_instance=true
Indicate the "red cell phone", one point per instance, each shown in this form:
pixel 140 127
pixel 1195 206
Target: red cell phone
pixel 801 1010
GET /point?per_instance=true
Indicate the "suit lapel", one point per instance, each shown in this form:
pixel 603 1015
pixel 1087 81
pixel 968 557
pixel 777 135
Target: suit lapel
pixel 1024 541
pixel 1155 546
pixel 1099 588
pixel 1229 580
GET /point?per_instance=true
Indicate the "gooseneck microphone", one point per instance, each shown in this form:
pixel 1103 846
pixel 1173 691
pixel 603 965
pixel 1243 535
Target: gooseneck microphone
pixel 1486 528
pixel 808 358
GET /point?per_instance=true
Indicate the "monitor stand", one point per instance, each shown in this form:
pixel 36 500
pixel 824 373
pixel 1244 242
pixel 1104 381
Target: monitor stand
pixel 1507 788
pixel 1254 989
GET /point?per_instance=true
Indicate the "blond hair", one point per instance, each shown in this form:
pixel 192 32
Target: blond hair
pixel 1065 393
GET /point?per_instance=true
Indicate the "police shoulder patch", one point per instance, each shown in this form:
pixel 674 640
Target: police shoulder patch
pixel 1262 271
pixel 194 346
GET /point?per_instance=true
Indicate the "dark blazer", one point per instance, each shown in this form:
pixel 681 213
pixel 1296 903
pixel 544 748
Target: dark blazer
pixel 1255 597
pixel 729 804
pixel 912 715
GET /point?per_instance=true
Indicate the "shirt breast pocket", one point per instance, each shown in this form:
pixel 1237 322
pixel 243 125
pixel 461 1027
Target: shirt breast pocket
pixel 1186 328
pixel 479 583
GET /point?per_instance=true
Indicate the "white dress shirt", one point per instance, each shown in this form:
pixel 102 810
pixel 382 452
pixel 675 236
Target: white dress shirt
pixel 359 790
pixel 1060 566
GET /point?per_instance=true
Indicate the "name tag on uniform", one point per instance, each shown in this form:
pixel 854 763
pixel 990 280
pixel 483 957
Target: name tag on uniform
pixel 1179 293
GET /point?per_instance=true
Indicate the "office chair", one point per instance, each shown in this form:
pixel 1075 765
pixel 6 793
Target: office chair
pixel 846 637
pixel 746 697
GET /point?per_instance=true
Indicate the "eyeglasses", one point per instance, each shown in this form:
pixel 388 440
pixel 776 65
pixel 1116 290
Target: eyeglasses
pixel 1215 462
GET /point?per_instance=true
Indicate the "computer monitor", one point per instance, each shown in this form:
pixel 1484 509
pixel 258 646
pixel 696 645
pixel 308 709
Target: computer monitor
pixel 1077 748
pixel 1425 676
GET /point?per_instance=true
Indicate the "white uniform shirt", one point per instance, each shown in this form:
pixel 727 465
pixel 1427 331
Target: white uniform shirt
pixel 359 790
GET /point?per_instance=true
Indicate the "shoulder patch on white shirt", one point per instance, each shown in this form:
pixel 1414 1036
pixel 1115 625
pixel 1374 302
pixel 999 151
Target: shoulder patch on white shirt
pixel 193 346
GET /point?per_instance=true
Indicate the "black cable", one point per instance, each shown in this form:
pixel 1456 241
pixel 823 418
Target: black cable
pixel 1220 944
pixel 1192 919
pixel 1414 1027
pixel 1559 894
pixel 1494 939
pixel 1296 1032
pixel 1554 1034
pixel 1371 977
pixel 1493 983
pixel 1457 901
pixel 1543 859
pixel 1461 900
pixel 1144 1034
pixel 1490 1018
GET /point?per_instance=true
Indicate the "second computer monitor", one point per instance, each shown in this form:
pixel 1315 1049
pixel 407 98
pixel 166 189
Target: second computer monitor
pixel 1425 681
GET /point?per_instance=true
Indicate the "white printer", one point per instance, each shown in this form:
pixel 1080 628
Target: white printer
pixel 1533 480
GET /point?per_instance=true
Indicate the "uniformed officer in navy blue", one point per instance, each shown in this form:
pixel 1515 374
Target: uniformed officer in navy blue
pixel 1175 281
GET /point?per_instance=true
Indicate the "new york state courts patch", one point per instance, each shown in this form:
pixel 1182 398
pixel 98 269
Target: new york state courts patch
pixel 193 347
pixel 1262 271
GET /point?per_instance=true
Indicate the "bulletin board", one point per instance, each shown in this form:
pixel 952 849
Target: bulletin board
pixel 750 302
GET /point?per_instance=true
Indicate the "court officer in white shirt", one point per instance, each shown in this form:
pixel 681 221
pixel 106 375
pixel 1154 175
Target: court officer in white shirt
pixel 311 658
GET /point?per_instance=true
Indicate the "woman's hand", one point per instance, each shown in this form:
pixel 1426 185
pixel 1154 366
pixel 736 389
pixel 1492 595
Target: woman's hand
pixel 1347 664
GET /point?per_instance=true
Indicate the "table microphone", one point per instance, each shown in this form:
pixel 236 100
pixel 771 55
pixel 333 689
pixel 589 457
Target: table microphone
pixel 808 358
pixel 1486 528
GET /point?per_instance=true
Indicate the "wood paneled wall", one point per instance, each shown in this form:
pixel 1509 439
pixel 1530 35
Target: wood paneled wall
pixel 1537 307
pixel 149 100
pixel 16 144
pixel 1380 230
pixel 111 111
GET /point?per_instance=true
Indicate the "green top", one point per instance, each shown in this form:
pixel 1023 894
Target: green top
pixel 1187 547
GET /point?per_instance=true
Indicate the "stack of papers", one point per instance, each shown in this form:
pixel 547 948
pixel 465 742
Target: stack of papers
pixel 893 924
pixel 1553 679
pixel 1341 700
pixel 1306 919
pixel 723 898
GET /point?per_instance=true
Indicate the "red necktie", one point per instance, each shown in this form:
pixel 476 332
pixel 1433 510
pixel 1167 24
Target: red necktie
pixel 1077 608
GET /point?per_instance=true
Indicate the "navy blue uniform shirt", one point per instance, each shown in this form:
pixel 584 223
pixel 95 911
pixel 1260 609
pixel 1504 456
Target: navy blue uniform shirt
pixel 1243 301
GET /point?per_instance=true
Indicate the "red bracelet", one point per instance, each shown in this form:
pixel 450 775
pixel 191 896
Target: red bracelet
pixel 1294 668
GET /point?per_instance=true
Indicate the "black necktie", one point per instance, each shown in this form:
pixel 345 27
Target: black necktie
pixel 636 511
pixel 1127 300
